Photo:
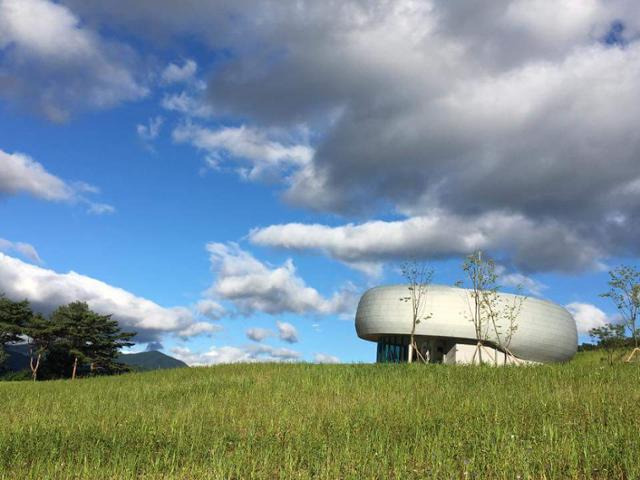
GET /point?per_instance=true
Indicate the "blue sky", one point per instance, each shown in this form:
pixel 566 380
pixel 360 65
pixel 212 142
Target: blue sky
pixel 228 166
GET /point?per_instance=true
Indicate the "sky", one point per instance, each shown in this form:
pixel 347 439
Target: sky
pixel 226 178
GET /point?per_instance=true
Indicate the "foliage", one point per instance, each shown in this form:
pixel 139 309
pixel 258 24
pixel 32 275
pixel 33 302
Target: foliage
pixel 16 376
pixel 572 421
pixel 72 339
pixel 624 291
pixel 90 338
pixel 13 317
pixel 42 334
pixel 610 337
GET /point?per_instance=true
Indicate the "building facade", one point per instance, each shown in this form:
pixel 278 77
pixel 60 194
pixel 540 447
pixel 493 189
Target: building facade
pixel 542 332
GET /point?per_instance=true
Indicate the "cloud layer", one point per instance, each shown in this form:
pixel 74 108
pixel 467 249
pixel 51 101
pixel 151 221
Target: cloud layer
pixel 46 290
pixel 530 245
pixel 228 354
pixel 528 112
pixel 51 63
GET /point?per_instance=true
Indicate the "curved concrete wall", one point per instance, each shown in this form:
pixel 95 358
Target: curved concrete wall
pixel 546 332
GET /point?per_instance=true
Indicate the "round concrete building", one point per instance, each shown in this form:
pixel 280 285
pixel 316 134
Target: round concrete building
pixel 544 331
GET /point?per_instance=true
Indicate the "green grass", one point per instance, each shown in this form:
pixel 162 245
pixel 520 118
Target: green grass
pixel 578 420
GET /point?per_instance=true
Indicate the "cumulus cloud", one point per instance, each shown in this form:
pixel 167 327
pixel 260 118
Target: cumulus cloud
pixel 20 173
pixel 261 156
pixel 229 354
pixel 50 62
pixel 198 328
pixel 210 309
pixel 531 245
pixel 259 334
pixel 154 346
pixel 325 358
pixel 253 286
pixel 26 250
pixel 287 332
pixel 179 74
pixel 529 109
pixel 47 289
pixel 588 316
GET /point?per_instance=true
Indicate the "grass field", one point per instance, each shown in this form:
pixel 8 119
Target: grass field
pixel 578 420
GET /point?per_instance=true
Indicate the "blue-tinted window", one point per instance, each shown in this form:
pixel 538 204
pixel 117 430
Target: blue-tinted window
pixel 392 349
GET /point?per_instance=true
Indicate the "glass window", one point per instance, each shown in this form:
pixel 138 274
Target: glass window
pixel 392 349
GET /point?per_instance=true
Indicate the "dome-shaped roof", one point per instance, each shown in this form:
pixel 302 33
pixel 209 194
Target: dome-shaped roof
pixel 545 331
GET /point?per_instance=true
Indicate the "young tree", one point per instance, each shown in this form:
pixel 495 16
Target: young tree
pixel 90 338
pixel 624 291
pixel 13 317
pixel 610 337
pixel 490 312
pixel 418 276
pixel 482 277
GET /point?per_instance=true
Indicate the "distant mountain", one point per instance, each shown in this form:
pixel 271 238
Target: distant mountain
pixel 143 361
pixel 18 358
pixel 153 360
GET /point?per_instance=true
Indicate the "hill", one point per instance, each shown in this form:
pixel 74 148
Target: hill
pixel 572 421
pixel 143 361
pixel 18 358
pixel 153 360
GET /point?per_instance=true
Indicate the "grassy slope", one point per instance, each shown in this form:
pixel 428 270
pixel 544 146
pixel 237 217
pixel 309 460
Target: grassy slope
pixel 578 420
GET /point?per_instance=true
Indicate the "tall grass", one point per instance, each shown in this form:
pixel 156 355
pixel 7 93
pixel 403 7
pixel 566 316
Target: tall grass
pixel 578 420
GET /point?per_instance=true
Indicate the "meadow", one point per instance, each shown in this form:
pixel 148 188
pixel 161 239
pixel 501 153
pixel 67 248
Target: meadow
pixel 577 420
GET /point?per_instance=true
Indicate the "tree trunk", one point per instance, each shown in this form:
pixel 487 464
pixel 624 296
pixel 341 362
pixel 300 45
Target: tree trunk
pixel 75 368
pixel 410 351
pixel 34 367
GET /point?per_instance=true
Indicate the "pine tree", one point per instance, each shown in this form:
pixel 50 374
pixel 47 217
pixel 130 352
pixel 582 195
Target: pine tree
pixel 91 339
pixel 13 317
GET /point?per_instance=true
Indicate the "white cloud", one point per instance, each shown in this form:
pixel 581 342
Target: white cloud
pixel 525 109
pixel 252 286
pixel 27 250
pixel 264 156
pixel 587 316
pixel 151 130
pixel 46 290
pixel 210 309
pixel 325 358
pixel 259 334
pixel 531 245
pixel 20 173
pixel 198 328
pixel 187 104
pixel 287 332
pixel 50 62
pixel 229 354
pixel 179 74
pixel 519 281
pixel 101 209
